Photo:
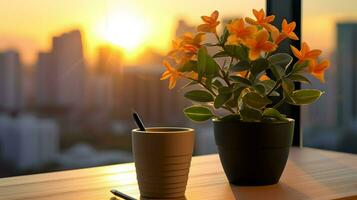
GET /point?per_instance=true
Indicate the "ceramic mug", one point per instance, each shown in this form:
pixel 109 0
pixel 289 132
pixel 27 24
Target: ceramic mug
pixel 162 158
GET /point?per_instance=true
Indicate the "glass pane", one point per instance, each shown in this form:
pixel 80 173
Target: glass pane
pixel 73 71
pixel 331 123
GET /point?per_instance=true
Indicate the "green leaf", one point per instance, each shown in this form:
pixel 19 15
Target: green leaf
pixel 299 66
pixel 268 84
pixel 208 83
pixel 248 113
pixel 255 100
pixel 305 96
pixel 234 101
pixel 239 52
pixel 221 99
pixel 225 90
pixel 217 83
pixel 198 113
pixel 199 96
pixel 239 79
pixel 224 36
pixel 277 71
pixel 206 65
pixel 201 62
pixel 273 113
pixel 260 89
pixel 281 59
pixel 211 68
pixel 274 94
pixel 188 67
pixel 288 86
pixel 224 95
pixel 241 66
pixel 259 66
pixel 220 54
pixel 299 78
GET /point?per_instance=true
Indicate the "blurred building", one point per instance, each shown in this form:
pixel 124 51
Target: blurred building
pixel 83 155
pixel 347 73
pixel 27 142
pixel 140 89
pixel 183 27
pixel 11 95
pixel 107 68
pixel 46 78
pixel 60 73
pixel 323 112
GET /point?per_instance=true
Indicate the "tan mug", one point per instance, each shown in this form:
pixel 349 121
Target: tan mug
pixel 162 160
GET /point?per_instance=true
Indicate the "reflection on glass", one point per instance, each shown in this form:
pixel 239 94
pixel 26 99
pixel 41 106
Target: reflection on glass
pixel 331 123
pixel 71 72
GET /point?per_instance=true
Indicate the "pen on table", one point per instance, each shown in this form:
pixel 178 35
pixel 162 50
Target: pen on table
pixel 121 195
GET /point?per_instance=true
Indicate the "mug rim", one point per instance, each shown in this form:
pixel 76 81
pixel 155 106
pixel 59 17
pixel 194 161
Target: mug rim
pixel 174 130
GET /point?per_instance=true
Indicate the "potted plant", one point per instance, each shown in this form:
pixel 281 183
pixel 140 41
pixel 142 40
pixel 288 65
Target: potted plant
pixel 242 85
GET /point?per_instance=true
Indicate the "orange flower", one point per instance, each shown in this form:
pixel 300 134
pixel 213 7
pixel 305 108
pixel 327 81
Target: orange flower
pixel 318 69
pixel 192 75
pixel 171 73
pixel 276 35
pixel 260 44
pixel 243 74
pixel 288 30
pixel 190 43
pixel 305 53
pixel 264 77
pixel 238 32
pixel 185 47
pixel 210 23
pixel 262 19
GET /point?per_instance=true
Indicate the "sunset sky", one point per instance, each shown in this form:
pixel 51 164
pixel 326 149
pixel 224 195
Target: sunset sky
pixel 28 25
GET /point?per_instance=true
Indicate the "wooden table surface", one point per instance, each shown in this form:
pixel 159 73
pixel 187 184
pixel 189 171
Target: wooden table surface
pixel 310 174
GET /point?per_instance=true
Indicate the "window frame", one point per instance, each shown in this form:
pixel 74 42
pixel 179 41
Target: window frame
pixel 291 10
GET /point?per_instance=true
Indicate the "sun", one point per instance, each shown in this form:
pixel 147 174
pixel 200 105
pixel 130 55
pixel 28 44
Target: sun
pixel 124 29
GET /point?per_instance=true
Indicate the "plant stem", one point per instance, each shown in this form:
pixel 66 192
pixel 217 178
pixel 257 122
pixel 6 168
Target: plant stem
pixel 210 90
pixel 277 105
pixel 217 37
pixel 215 95
pixel 246 74
pixel 229 109
pixel 277 85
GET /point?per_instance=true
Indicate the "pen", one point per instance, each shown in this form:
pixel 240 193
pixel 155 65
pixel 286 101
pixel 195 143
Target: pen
pixel 138 121
pixel 121 195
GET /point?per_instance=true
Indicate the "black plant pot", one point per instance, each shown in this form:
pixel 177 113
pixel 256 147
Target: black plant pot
pixel 253 153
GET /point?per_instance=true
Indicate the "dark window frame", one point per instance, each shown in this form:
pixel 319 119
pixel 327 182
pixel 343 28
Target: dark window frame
pixel 291 10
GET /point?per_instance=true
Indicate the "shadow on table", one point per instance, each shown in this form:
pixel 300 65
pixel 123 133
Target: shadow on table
pixel 278 191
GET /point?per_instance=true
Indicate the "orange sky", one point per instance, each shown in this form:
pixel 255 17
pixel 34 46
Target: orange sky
pixel 28 25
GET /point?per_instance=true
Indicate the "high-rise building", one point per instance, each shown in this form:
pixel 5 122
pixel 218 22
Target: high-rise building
pixel 11 97
pixel 140 89
pixel 46 80
pixel 61 73
pixel 27 142
pixel 347 73
pixel 100 80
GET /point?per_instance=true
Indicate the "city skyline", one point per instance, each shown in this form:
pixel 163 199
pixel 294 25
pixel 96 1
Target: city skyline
pixel 108 21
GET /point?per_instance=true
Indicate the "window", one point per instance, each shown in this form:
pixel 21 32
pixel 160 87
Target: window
pixel 71 72
pixel 331 122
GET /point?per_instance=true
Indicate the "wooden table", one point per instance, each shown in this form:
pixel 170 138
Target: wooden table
pixel 310 174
